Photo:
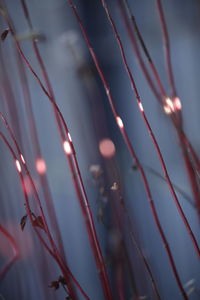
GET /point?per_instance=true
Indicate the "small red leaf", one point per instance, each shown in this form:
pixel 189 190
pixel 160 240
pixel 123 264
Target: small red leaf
pixel 39 222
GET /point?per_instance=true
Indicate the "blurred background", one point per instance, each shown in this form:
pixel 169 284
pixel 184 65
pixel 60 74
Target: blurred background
pixel 110 176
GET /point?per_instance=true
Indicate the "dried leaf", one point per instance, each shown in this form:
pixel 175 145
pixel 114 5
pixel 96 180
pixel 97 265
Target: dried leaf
pixel 62 280
pixel 55 285
pixel 38 222
pixel 23 222
pixel 4 34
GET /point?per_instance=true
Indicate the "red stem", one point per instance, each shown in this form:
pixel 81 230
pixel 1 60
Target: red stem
pixel 42 177
pixel 142 256
pixel 130 148
pixel 191 175
pixel 84 203
pixel 124 8
pixel 166 48
pixel 166 42
pixel 156 75
pixel 135 244
pixel 15 249
pixel 154 141
pixel 54 253
pixel 184 143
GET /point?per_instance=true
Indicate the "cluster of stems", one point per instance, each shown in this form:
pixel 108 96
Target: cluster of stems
pixel 147 124
pixel 54 246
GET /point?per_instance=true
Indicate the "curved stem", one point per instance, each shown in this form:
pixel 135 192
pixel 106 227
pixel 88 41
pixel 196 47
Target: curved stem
pixel 129 146
pixel 148 126
pixel 176 118
pixel 15 250
pixel 124 9
pixel 54 253
pixel 166 48
pixel 84 203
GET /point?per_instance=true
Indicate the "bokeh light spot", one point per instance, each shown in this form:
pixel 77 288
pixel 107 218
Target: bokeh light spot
pixel 41 166
pixel 107 148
